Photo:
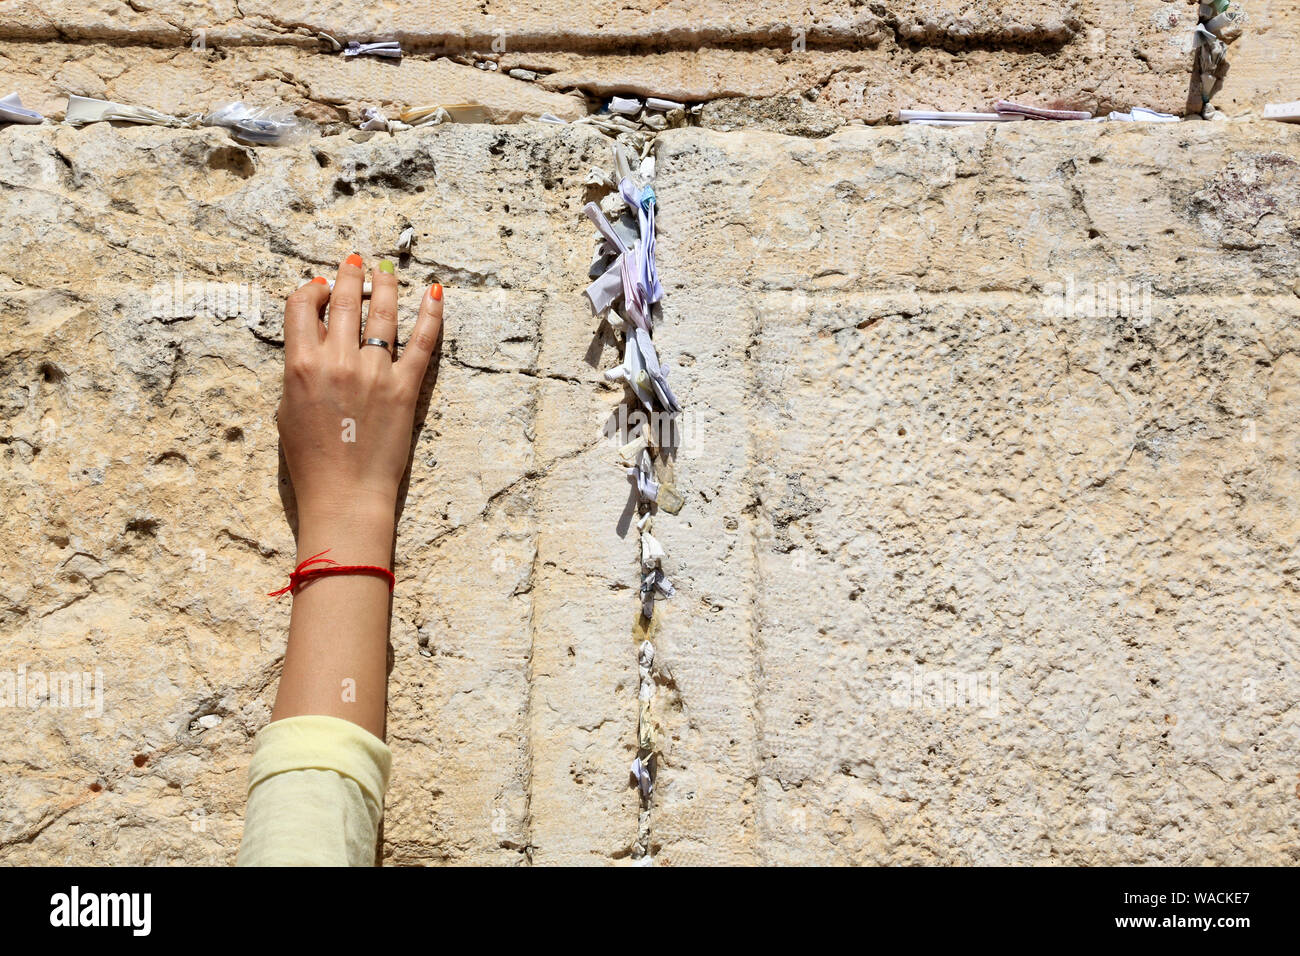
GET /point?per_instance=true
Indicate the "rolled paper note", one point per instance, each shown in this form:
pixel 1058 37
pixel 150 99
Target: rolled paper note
pixel 662 105
pixel 1284 112
pixel 444 113
pixel 1007 108
pixel 652 552
pixel 385 48
pixel 628 454
pixel 1226 26
pixel 87 109
pixel 373 119
pixel 1140 114
pixel 941 116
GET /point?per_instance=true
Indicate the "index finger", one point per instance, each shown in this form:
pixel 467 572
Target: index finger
pixel 303 329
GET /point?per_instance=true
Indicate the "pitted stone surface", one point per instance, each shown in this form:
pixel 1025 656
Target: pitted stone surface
pixel 963 579
pixel 898 467
pixel 850 62
pixel 969 570
pixel 147 503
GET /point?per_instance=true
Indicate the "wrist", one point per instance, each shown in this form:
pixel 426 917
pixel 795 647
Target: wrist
pixel 349 508
pixel 356 532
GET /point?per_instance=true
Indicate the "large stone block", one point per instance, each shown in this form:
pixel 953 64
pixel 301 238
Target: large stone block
pixel 1098 57
pixel 141 365
pixel 1264 62
pixel 322 88
pixel 974 571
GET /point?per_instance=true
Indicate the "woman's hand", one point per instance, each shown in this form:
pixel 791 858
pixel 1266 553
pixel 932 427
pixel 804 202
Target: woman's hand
pixel 345 424
pixel 347 411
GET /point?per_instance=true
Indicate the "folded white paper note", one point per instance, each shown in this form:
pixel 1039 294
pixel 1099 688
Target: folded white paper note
pixel 86 109
pixel 1286 112
pixel 13 111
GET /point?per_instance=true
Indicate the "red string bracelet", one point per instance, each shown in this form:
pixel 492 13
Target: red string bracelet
pixel 305 572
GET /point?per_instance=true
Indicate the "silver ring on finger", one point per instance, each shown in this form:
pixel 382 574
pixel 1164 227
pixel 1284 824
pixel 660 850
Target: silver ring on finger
pixel 386 346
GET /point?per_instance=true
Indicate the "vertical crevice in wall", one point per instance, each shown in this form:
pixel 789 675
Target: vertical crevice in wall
pixel 753 515
pixel 529 674
pixel 625 293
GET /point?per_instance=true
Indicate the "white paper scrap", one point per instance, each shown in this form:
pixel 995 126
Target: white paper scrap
pixel 13 111
pixel 1284 112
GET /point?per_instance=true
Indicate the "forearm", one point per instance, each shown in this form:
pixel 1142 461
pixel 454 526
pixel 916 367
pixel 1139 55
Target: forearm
pixel 346 415
pixel 336 661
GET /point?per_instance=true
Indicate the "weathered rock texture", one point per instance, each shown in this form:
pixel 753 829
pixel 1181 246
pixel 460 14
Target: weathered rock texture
pixel 898 466
pixel 1095 56
pixel 1264 63
pixel 846 60
pixel 145 499
pixel 322 88
pixel 908 469
pixel 970 570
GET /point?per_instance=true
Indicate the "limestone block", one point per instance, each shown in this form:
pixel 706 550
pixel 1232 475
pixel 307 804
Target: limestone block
pixel 862 64
pixel 319 87
pixel 969 575
pixel 147 501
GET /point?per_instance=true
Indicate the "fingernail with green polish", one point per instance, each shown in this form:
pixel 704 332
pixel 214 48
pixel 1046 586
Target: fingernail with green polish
pixel 386 266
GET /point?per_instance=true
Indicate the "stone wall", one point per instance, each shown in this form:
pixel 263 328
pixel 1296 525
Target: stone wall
pixel 912 468
pixel 971 568
pixel 835 60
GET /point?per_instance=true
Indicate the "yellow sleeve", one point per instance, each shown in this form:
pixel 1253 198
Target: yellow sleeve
pixel 315 794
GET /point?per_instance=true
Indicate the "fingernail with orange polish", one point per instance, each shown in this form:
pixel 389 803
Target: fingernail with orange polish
pixel 435 291
pixel 353 260
pixel 321 280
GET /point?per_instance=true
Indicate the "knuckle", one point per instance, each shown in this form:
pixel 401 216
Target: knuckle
pixel 383 313
pixel 299 368
pixel 301 299
pixel 345 302
pixel 404 392
pixel 423 340
pixel 340 373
